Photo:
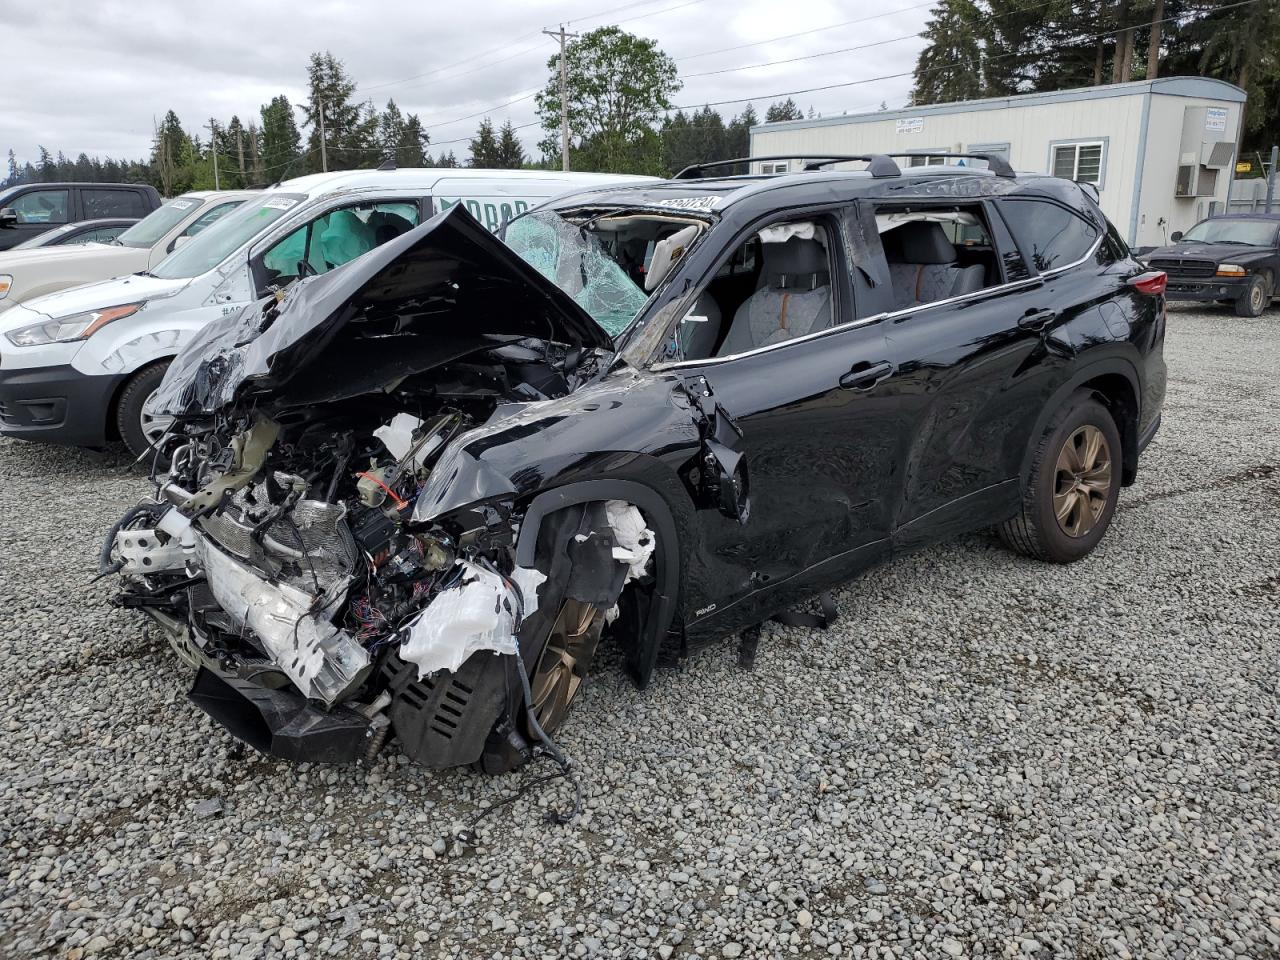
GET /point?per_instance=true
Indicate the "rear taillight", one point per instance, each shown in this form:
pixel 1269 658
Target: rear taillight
pixel 1151 283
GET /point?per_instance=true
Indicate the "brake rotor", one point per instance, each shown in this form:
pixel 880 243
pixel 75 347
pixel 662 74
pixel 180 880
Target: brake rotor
pixel 564 661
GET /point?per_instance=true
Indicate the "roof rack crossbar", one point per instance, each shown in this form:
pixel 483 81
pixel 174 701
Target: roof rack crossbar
pixel 878 164
pixel 995 163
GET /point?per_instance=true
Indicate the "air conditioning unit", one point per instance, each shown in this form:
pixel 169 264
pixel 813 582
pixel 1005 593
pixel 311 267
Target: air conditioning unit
pixel 1195 181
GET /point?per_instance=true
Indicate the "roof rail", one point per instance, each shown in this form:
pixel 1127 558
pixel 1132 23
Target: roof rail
pixel 995 163
pixel 878 164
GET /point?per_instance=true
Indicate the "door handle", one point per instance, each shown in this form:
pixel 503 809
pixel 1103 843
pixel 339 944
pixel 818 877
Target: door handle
pixel 864 375
pixel 1037 319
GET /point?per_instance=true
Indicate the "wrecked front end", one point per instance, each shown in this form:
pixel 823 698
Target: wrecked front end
pixel 332 565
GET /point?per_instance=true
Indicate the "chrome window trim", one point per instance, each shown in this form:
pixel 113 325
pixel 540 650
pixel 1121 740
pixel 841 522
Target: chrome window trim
pixel 892 316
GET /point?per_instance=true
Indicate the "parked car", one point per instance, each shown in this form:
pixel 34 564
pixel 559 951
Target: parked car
pixel 415 493
pixel 72 234
pixel 77 366
pixel 29 209
pixel 1232 259
pixel 27 274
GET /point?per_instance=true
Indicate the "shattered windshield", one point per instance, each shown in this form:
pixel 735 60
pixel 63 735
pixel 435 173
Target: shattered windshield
pixel 609 263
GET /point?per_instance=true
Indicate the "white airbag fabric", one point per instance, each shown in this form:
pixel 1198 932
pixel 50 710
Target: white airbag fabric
pixel 477 614
pixel 633 541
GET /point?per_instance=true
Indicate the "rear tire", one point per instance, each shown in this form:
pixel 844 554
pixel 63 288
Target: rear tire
pixel 1071 492
pixel 134 427
pixel 1255 299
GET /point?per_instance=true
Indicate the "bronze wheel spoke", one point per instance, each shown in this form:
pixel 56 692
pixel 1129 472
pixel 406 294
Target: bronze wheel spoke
pixel 1083 481
pixel 561 668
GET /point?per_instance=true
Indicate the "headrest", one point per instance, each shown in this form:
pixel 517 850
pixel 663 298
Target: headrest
pixel 797 263
pixel 919 241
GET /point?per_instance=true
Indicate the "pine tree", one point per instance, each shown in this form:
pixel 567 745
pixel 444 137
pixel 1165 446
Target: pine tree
pixel 783 110
pixel 281 142
pixel 484 147
pixel 510 150
pixel 351 129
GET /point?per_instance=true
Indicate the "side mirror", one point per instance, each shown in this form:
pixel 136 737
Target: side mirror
pixel 1175 236
pixel 8 219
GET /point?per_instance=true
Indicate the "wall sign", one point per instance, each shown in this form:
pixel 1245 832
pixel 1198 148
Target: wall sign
pixel 1215 119
pixel 910 125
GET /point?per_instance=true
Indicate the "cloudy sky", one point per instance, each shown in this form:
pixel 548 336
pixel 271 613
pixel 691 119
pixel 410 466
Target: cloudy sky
pixel 93 77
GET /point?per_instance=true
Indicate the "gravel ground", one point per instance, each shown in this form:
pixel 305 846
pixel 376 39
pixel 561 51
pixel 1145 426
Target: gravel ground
pixel 986 757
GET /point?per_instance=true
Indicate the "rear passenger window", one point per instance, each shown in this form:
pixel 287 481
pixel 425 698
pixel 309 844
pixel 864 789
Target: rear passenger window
pixel 99 204
pixel 936 253
pixel 1052 234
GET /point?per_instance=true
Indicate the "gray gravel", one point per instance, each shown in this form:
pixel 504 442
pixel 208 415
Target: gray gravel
pixel 988 756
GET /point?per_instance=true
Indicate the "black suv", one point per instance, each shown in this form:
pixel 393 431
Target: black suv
pixel 1231 259
pixel 29 209
pixel 413 494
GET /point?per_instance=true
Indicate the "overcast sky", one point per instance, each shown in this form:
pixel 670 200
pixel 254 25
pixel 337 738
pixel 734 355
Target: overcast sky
pixel 93 77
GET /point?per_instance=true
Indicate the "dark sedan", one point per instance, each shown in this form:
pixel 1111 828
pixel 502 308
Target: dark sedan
pixel 1232 259
pixel 86 231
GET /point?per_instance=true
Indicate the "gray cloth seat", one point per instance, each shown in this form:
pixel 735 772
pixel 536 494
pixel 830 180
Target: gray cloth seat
pixel 922 265
pixel 793 297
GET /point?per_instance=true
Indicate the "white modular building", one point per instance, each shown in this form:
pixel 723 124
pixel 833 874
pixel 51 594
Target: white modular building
pixel 1162 153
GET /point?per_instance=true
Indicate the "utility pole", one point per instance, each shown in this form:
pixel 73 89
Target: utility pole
pixel 564 94
pixel 1271 177
pixel 213 148
pixel 324 157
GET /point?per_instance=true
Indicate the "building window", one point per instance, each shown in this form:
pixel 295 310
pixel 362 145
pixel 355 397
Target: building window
pixel 1079 161
pixel 923 158
pixel 779 167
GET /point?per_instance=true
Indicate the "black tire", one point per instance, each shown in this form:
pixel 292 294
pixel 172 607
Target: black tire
pixel 1255 299
pixel 1036 530
pixel 129 408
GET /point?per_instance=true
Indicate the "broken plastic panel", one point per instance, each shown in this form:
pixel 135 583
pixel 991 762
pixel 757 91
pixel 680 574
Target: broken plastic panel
pixel 323 661
pixel 477 614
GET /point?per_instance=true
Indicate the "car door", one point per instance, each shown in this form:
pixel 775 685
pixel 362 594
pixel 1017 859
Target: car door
pixel 331 238
pixel 37 209
pixel 814 443
pixel 970 383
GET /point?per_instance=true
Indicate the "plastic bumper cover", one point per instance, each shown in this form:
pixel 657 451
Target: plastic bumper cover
pixel 56 405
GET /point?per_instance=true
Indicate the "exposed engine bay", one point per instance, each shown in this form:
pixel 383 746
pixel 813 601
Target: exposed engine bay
pixel 326 603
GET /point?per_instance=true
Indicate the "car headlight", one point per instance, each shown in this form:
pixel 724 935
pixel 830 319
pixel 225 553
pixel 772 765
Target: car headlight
pixel 78 326
pixel 6 284
pixel 1231 270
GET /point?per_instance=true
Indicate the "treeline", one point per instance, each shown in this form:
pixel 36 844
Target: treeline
pixel 991 48
pixel 282 140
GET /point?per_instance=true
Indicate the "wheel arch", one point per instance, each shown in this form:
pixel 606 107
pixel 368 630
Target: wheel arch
pixel 1114 382
pixel 110 429
pixel 668 557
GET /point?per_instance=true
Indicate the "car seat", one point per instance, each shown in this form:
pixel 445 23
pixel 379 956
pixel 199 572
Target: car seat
pixel 792 299
pixel 922 265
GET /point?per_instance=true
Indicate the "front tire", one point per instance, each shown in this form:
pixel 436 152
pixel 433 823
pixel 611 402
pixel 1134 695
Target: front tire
pixel 137 428
pixel 1255 299
pixel 1071 492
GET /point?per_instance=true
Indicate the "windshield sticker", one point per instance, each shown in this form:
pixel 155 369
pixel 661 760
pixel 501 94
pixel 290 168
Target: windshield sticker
pixel 279 203
pixel 690 203
pixel 182 204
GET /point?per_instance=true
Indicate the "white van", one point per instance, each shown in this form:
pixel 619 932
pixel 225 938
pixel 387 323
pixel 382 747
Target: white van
pixel 27 273
pixel 76 367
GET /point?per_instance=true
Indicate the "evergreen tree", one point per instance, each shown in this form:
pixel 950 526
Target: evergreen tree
pixel 737 135
pixel 14 176
pixel 448 160
pixel 351 129
pixel 411 151
pixel 783 110
pixel 281 142
pixel 484 147
pixel 510 150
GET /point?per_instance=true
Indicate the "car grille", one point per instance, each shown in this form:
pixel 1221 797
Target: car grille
pixel 1180 268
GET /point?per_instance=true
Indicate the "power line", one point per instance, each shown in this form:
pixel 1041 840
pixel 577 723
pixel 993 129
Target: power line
pixel 805 33
pixel 861 46
pixel 943 66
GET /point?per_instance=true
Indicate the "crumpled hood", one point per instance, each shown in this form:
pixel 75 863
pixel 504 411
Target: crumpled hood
pixel 441 291
pixel 105 293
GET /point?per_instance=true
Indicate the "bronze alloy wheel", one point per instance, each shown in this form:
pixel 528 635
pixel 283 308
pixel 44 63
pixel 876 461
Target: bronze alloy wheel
pixel 564 661
pixel 1083 481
